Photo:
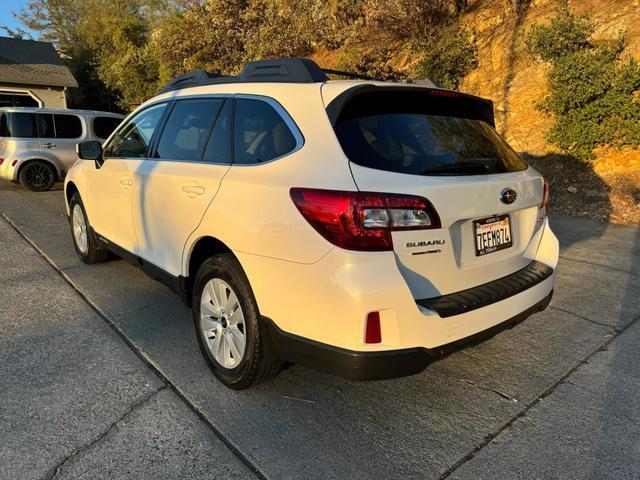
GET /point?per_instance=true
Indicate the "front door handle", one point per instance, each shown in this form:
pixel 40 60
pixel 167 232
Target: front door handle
pixel 126 182
pixel 193 190
pixel 49 145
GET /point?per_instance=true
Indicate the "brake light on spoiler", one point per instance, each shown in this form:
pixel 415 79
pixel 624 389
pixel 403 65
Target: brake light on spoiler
pixel 363 220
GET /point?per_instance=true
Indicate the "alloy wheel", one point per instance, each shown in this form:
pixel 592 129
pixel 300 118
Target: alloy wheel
pixel 222 323
pixel 79 229
pixel 39 176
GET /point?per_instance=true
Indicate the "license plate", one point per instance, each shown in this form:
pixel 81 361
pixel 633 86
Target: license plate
pixel 492 234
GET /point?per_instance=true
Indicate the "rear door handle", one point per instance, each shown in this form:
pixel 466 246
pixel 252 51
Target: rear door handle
pixel 49 145
pixel 193 190
pixel 126 182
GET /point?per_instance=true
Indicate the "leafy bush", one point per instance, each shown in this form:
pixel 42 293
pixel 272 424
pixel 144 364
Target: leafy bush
pixel 592 90
pixel 449 55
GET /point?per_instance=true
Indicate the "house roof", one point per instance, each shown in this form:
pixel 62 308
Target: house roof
pixel 33 63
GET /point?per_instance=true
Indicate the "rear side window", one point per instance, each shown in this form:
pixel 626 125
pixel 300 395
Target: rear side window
pixel 187 128
pixel 46 129
pixel 133 138
pixel 416 133
pixel 4 127
pixel 218 149
pixel 103 126
pixel 260 133
pixel 67 126
pixel 18 125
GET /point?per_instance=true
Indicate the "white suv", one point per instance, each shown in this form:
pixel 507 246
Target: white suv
pixel 360 227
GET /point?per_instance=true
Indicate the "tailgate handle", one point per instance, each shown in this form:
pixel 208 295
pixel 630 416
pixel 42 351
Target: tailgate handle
pixel 126 182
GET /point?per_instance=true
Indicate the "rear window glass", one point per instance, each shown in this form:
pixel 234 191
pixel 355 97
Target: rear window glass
pixel 67 126
pixel 419 134
pixel 45 125
pixel 103 126
pixel 18 125
pixel 187 129
pixel 261 134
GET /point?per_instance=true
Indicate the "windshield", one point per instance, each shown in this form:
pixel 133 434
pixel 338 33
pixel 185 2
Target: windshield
pixel 409 132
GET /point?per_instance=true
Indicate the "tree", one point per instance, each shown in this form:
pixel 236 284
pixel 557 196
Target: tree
pixel 593 92
pixel 83 31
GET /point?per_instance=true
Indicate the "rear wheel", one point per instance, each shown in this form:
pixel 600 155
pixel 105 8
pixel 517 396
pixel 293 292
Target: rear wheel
pixel 38 176
pixel 230 331
pixel 86 244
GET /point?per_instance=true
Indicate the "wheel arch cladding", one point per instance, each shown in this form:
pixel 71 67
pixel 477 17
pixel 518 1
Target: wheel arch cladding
pixel 69 190
pixel 202 249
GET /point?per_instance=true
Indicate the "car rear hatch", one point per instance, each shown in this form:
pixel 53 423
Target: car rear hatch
pixel 442 146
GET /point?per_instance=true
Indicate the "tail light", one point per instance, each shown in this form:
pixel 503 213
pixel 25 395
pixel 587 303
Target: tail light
pixel 1 161
pixel 545 197
pixel 363 220
pixel 542 210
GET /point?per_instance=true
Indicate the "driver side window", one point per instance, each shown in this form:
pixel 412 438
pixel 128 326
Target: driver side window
pixel 133 138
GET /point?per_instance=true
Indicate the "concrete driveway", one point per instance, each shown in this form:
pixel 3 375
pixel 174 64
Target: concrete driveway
pixel 101 377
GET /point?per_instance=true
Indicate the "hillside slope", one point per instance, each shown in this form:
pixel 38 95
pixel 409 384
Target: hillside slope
pixel 607 189
pixel 508 75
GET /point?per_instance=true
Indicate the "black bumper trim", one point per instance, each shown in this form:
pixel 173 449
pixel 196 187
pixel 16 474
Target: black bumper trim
pixel 488 293
pixel 356 365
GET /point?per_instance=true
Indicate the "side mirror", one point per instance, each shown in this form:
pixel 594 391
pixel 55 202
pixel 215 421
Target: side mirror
pixel 91 150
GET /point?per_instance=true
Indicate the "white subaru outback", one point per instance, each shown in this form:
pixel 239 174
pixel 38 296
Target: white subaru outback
pixel 360 227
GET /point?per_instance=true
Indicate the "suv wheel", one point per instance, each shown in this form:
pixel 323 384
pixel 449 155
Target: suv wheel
pixel 84 241
pixel 228 325
pixel 38 176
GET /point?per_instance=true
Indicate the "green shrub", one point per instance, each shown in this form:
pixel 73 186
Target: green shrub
pixel 447 56
pixel 592 91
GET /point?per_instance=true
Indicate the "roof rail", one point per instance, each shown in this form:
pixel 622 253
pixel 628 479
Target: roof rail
pixel 281 70
pixel 199 77
pixel 340 73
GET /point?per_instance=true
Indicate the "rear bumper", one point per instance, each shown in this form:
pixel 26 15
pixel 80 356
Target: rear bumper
pixel 358 365
pixel 7 170
pixel 489 293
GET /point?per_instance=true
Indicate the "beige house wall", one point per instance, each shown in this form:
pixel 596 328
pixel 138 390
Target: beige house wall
pixel 48 97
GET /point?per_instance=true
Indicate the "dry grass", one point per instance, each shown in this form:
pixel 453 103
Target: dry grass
pixel 606 189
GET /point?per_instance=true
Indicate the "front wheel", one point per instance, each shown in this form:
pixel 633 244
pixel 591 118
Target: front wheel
pixel 84 241
pixel 38 176
pixel 228 325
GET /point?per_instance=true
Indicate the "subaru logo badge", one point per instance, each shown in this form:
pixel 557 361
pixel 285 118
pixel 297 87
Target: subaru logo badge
pixel 508 196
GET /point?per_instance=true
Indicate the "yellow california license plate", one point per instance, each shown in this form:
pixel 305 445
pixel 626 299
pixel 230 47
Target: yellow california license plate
pixel 492 234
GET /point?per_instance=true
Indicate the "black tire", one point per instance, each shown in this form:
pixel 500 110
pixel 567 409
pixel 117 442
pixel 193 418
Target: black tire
pixel 259 362
pixel 38 176
pixel 95 253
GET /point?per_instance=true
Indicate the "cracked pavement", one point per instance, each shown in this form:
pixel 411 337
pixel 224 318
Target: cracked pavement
pixel 101 377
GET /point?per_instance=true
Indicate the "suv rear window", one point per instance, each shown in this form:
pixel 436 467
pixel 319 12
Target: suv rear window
pixel 103 126
pixel 422 134
pixel 67 126
pixel 18 125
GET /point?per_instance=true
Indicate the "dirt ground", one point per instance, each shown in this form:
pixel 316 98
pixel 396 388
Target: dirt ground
pixel 606 189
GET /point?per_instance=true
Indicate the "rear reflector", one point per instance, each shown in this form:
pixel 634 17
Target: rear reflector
pixel 373 333
pixel 13 164
pixel 363 220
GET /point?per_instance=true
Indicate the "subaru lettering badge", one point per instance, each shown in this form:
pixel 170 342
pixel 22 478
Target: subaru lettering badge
pixel 508 196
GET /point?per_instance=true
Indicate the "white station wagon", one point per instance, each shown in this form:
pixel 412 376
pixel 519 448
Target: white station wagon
pixel 360 227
